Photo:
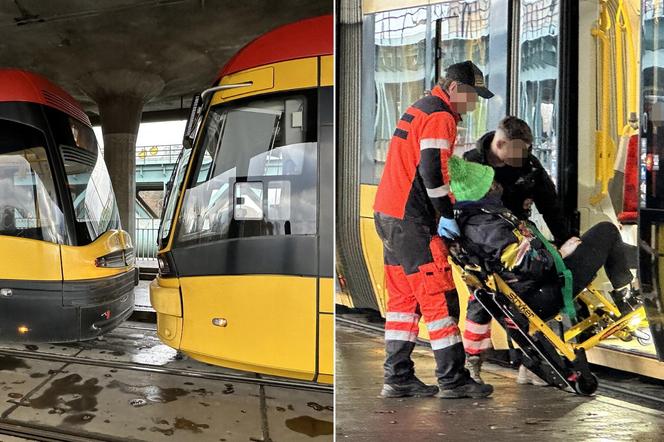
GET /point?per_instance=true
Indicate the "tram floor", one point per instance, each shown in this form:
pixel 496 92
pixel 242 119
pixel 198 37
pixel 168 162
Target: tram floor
pixel 513 412
pixel 129 386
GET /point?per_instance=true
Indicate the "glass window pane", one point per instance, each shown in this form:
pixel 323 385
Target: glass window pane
pixel 95 207
pixel 464 35
pixel 28 202
pixel 538 77
pixel 262 172
pixel 173 192
pixel 651 183
pixel 400 77
pixel 278 200
pixel 248 201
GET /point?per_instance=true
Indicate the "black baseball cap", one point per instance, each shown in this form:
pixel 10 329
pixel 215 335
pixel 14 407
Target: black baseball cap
pixel 467 73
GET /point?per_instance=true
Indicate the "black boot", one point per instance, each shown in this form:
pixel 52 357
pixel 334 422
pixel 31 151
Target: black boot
pixel 626 299
pixel 469 389
pixel 411 387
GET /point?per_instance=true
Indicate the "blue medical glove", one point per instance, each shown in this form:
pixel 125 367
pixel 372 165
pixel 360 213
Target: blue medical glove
pixel 448 228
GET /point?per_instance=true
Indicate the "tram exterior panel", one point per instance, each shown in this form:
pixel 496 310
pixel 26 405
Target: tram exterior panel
pixel 245 279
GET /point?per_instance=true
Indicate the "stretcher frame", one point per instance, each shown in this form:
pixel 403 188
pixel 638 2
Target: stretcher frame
pixel 560 359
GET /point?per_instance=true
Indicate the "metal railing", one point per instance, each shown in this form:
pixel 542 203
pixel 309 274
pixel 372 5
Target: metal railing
pixel 145 238
pixel 159 154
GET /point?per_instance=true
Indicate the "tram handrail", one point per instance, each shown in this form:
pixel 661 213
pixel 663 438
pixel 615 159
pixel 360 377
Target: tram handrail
pixel 223 87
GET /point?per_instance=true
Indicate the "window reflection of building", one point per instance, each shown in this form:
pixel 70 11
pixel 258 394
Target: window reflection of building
pixel 464 35
pixel 400 79
pixel 404 67
pixel 538 77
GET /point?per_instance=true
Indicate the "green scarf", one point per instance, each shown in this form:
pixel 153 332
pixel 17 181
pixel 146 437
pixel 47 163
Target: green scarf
pixel 568 296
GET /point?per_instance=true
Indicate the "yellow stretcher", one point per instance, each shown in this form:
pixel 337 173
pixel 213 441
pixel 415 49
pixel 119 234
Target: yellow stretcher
pixel 557 357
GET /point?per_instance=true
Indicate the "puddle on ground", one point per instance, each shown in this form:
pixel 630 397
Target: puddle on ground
pixel 185 424
pixel 150 393
pixel 310 426
pixel 78 419
pixel 157 355
pixel 72 396
pixel 179 424
pixel 31 347
pixel 10 363
pixel 319 407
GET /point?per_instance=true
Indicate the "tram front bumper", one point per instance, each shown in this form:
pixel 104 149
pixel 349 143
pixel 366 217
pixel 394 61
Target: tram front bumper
pixel 57 311
pixel 167 302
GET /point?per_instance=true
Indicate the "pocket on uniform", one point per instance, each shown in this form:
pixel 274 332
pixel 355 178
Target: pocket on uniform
pixel 439 252
pixel 434 278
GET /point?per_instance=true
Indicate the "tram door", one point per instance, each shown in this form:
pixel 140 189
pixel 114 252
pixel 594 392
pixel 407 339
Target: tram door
pixel 247 246
pixel 651 172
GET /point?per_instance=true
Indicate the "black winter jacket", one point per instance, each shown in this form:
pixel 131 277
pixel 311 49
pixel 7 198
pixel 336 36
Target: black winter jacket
pixel 528 182
pixel 507 246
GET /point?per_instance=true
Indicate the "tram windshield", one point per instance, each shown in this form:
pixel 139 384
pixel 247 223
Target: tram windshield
pixel 95 208
pixel 256 174
pixel 28 201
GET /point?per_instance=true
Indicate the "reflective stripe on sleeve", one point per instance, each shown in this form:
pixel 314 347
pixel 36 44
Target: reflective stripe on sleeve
pixel 439 192
pixel 434 143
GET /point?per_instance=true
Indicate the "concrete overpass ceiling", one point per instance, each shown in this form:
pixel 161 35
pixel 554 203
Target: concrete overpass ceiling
pixel 183 42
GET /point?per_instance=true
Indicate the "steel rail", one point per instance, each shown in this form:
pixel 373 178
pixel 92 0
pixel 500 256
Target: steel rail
pixel 604 386
pixel 268 382
pixel 45 433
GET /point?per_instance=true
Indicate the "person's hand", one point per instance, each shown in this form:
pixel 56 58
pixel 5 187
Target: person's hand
pixel 527 204
pixel 448 228
pixel 569 246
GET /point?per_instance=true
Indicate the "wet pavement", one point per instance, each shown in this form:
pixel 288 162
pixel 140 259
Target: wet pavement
pixel 514 412
pixel 125 403
pixel 142 297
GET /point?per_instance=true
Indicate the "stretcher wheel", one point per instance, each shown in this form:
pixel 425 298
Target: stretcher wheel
pixel 586 385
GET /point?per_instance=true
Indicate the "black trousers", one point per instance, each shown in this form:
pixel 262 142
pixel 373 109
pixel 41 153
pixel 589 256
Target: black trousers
pixel 601 246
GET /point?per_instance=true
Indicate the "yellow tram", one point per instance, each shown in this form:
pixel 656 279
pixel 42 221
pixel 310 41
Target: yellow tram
pixel 246 240
pixel 589 86
pixel 66 266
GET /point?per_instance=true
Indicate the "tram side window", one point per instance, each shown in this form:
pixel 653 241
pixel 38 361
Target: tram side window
pixel 95 208
pixel 28 201
pixel 257 174
pixel 464 35
pixel 538 77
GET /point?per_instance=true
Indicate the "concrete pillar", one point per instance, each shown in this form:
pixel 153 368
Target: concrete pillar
pixel 120 95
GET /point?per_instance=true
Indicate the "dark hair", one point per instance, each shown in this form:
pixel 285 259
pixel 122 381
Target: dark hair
pixel 516 129
pixel 445 83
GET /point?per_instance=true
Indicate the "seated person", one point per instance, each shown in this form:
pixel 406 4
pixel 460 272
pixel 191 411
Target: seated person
pixel 508 246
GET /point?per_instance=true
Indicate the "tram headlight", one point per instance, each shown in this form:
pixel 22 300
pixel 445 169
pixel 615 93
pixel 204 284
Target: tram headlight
pixel 165 268
pixel 121 258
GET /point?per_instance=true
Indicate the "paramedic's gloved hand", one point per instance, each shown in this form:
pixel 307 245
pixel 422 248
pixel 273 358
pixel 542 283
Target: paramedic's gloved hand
pixel 448 228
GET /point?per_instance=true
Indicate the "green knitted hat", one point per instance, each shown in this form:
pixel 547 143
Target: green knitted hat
pixel 469 181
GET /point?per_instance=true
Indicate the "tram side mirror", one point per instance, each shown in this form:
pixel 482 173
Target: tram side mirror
pixel 192 122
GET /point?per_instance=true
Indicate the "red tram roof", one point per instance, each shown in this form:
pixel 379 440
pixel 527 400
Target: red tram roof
pixel 19 85
pixel 311 37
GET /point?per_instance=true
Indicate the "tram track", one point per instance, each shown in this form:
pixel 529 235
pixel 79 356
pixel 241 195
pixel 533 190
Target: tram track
pixel 607 388
pixel 44 433
pixel 188 373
